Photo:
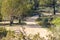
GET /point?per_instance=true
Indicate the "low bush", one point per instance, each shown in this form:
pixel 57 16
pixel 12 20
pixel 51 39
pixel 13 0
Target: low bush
pixel 44 21
pixel 3 32
pixel 56 21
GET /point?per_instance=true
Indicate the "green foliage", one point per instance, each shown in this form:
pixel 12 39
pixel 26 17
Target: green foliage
pixel 56 21
pixel 44 21
pixel 9 36
pixel 47 22
pixel 3 32
pixel 15 7
pixel 46 2
pixel 19 7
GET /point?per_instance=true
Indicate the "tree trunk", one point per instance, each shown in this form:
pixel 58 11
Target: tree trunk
pixel 11 21
pixel 19 21
pixel 54 2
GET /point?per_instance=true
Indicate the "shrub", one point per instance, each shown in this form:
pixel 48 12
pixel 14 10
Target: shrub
pixel 3 32
pixel 56 21
pixel 44 21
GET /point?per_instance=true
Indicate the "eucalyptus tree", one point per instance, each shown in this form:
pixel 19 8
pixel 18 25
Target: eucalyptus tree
pixel 15 8
pixel 54 2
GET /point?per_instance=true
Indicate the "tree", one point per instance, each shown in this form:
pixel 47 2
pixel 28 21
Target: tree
pixel 54 5
pixel 16 8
